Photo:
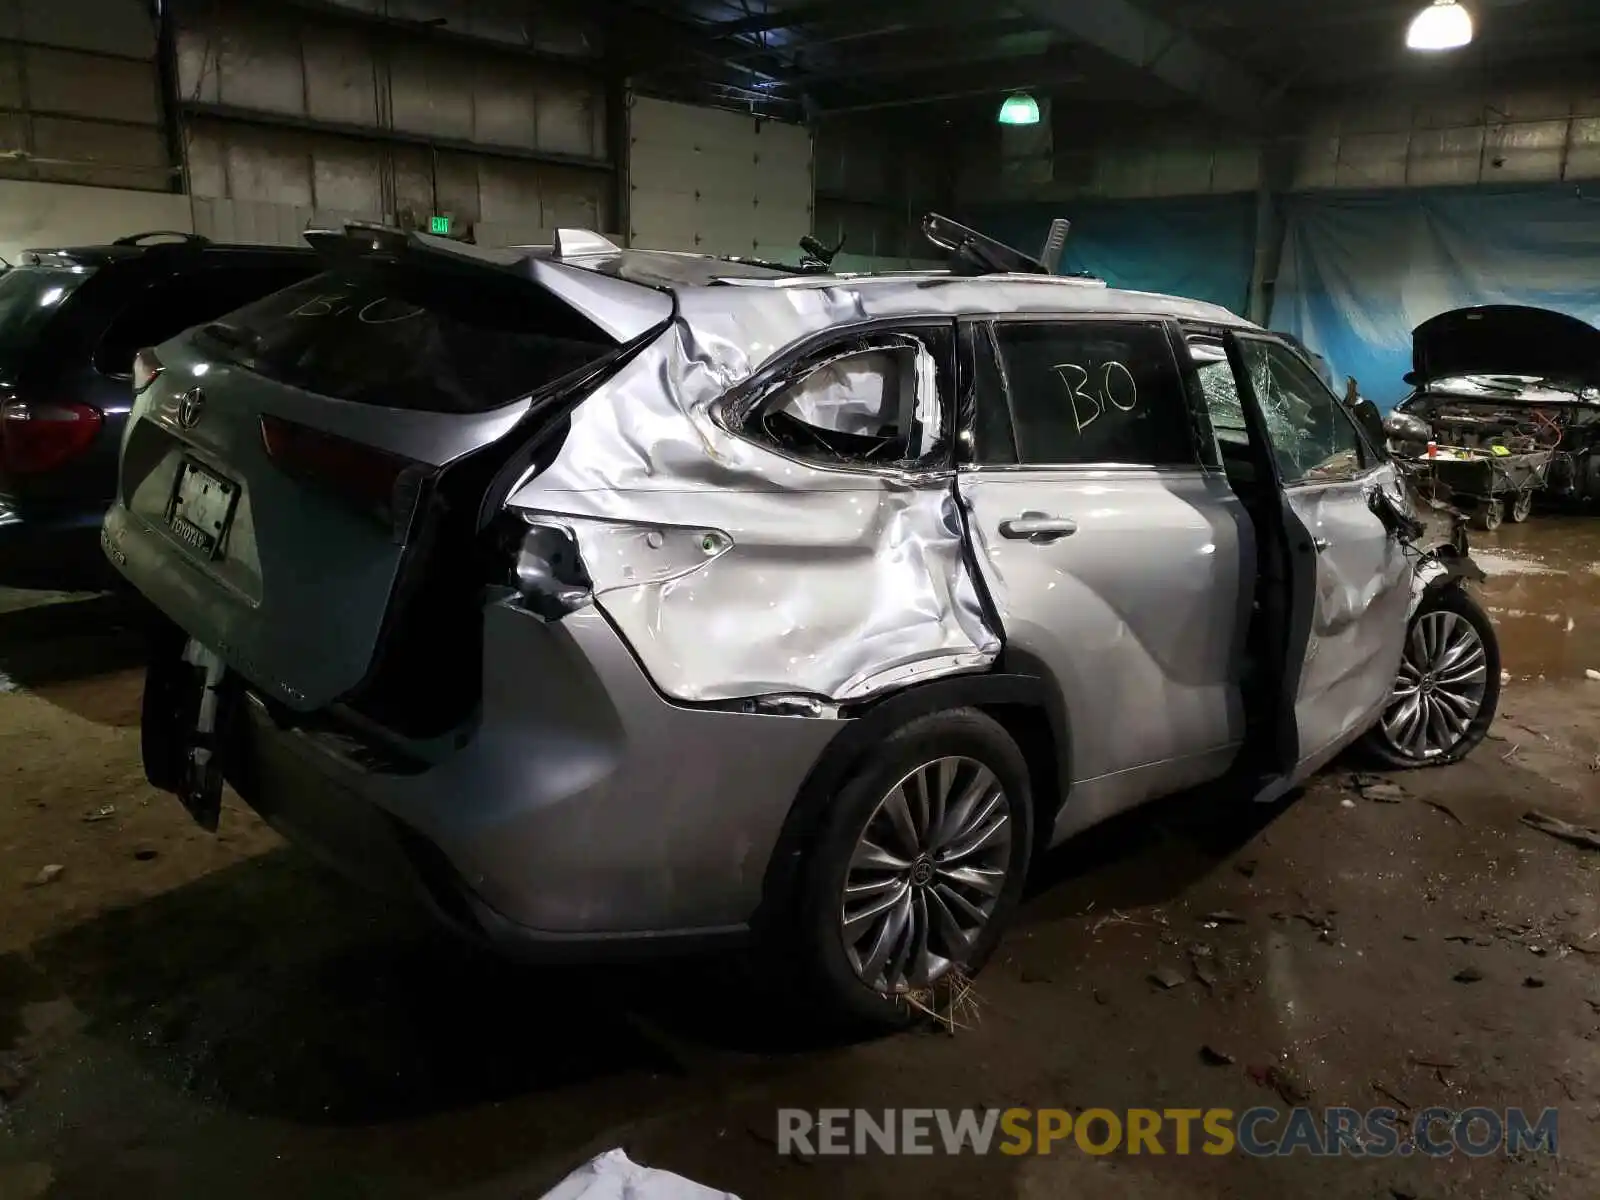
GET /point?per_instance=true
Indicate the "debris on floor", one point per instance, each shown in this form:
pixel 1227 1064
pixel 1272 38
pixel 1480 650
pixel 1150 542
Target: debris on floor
pixel 1289 1087
pixel 1578 835
pixel 1383 793
pixel 1441 807
pixel 1167 979
pixel 614 1176
pixel 47 874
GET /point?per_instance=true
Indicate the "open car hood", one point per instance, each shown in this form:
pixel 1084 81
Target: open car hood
pixel 1505 339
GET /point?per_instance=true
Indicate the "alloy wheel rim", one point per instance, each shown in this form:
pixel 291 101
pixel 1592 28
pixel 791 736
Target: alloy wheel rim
pixel 927 872
pixel 1441 686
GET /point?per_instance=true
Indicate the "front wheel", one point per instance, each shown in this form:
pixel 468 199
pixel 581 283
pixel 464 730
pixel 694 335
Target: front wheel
pixel 917 868
pixel 1489 515
pixel 1448 688
pixel 1521 508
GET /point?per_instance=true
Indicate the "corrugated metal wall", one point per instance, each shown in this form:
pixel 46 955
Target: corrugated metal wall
pixel 80 94
pixel 496 117
pixel 1534 133
pixel 716 182
pixel 875 181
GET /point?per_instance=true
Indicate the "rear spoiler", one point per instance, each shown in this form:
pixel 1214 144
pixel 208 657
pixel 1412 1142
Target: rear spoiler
pixel 623 309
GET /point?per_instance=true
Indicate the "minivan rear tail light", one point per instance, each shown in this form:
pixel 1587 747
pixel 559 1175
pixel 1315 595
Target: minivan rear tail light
pixel 35 438
pixel 146 366
pixel 387 486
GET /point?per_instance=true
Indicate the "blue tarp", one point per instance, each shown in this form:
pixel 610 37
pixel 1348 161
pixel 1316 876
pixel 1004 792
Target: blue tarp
pixel 1361 270
pixel 1202 247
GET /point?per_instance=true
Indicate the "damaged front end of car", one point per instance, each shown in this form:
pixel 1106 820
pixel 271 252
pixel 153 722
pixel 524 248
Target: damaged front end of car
pixel 1434 531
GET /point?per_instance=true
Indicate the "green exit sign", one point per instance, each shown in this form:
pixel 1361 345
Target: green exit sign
pixel 439 225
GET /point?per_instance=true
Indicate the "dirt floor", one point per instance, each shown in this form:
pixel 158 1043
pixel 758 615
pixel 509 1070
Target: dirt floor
pixel 187 1015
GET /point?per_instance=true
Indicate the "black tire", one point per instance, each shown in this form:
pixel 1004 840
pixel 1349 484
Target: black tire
pixel 829 975
pixel 1521 508
pixel 1379 748
pixel 1488 515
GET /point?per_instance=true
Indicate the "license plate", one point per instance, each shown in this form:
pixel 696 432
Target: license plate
pixel 202 505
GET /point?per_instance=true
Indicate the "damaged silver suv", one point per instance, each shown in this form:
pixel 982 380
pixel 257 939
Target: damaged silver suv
pixel 597 598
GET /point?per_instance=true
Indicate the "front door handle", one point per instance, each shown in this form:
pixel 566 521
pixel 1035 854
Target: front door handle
pixel 1037 527
pixel 1321 544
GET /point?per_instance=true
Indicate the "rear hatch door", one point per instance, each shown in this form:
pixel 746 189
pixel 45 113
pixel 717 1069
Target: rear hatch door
pixel 282 464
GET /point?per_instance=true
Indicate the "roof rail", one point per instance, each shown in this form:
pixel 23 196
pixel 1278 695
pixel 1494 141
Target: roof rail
pixel 972 253
pixel 140 239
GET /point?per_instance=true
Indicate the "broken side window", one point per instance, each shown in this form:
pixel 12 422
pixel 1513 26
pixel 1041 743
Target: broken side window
pixel 1313 437
pixel 878 400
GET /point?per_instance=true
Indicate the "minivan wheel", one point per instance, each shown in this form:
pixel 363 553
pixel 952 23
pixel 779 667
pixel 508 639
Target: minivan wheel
pixel 918 865
pixel 1448 689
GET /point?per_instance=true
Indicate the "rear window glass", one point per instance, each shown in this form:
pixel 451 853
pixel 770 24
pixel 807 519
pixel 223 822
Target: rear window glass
pixel 29 297
pixel 404 336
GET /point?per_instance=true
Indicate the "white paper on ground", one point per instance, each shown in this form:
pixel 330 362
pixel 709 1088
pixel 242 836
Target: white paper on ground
pixel 614 1176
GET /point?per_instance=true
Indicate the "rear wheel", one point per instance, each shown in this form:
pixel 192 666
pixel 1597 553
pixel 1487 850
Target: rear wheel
pixel 1521 508
pixel 917 868
pixel 1448 688
pixel 1489 515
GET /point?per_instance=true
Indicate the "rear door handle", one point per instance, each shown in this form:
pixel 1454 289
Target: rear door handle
pixel 1037 527
pixel 1321 544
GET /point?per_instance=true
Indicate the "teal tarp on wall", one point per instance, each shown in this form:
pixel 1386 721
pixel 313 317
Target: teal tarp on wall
pixel 1360 271
pixel 1202 247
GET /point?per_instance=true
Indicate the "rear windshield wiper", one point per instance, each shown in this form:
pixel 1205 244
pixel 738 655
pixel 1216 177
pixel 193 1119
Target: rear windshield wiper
pixel 232 337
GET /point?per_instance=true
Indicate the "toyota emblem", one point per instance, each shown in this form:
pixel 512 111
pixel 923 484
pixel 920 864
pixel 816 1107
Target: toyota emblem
pixel 190 405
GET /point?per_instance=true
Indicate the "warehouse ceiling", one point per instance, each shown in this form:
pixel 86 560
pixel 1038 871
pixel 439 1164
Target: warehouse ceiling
pixel 1234 57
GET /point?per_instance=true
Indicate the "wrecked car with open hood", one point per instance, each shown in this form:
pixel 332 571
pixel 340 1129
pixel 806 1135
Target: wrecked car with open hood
pixel 600 598
pixel 1509 395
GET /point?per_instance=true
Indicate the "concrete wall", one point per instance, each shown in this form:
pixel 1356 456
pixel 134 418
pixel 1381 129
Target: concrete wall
pixel 35 215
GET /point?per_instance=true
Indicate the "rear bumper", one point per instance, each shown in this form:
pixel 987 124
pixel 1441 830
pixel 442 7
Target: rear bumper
pixel 54 549
pixel 587 816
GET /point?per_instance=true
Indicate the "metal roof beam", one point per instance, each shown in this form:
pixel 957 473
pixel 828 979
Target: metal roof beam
pixel 1124 31
pixel 974 79
pixel 837 12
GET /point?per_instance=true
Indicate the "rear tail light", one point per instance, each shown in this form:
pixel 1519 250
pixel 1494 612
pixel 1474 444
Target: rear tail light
pixel 35 438
pixel 146 366
pixel 387 486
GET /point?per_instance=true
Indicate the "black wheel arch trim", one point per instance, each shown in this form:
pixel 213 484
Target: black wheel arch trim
pixel 1015 686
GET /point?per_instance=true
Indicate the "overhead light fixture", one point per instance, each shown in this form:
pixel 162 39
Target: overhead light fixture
pixel 1443 25
pixel 1019 109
